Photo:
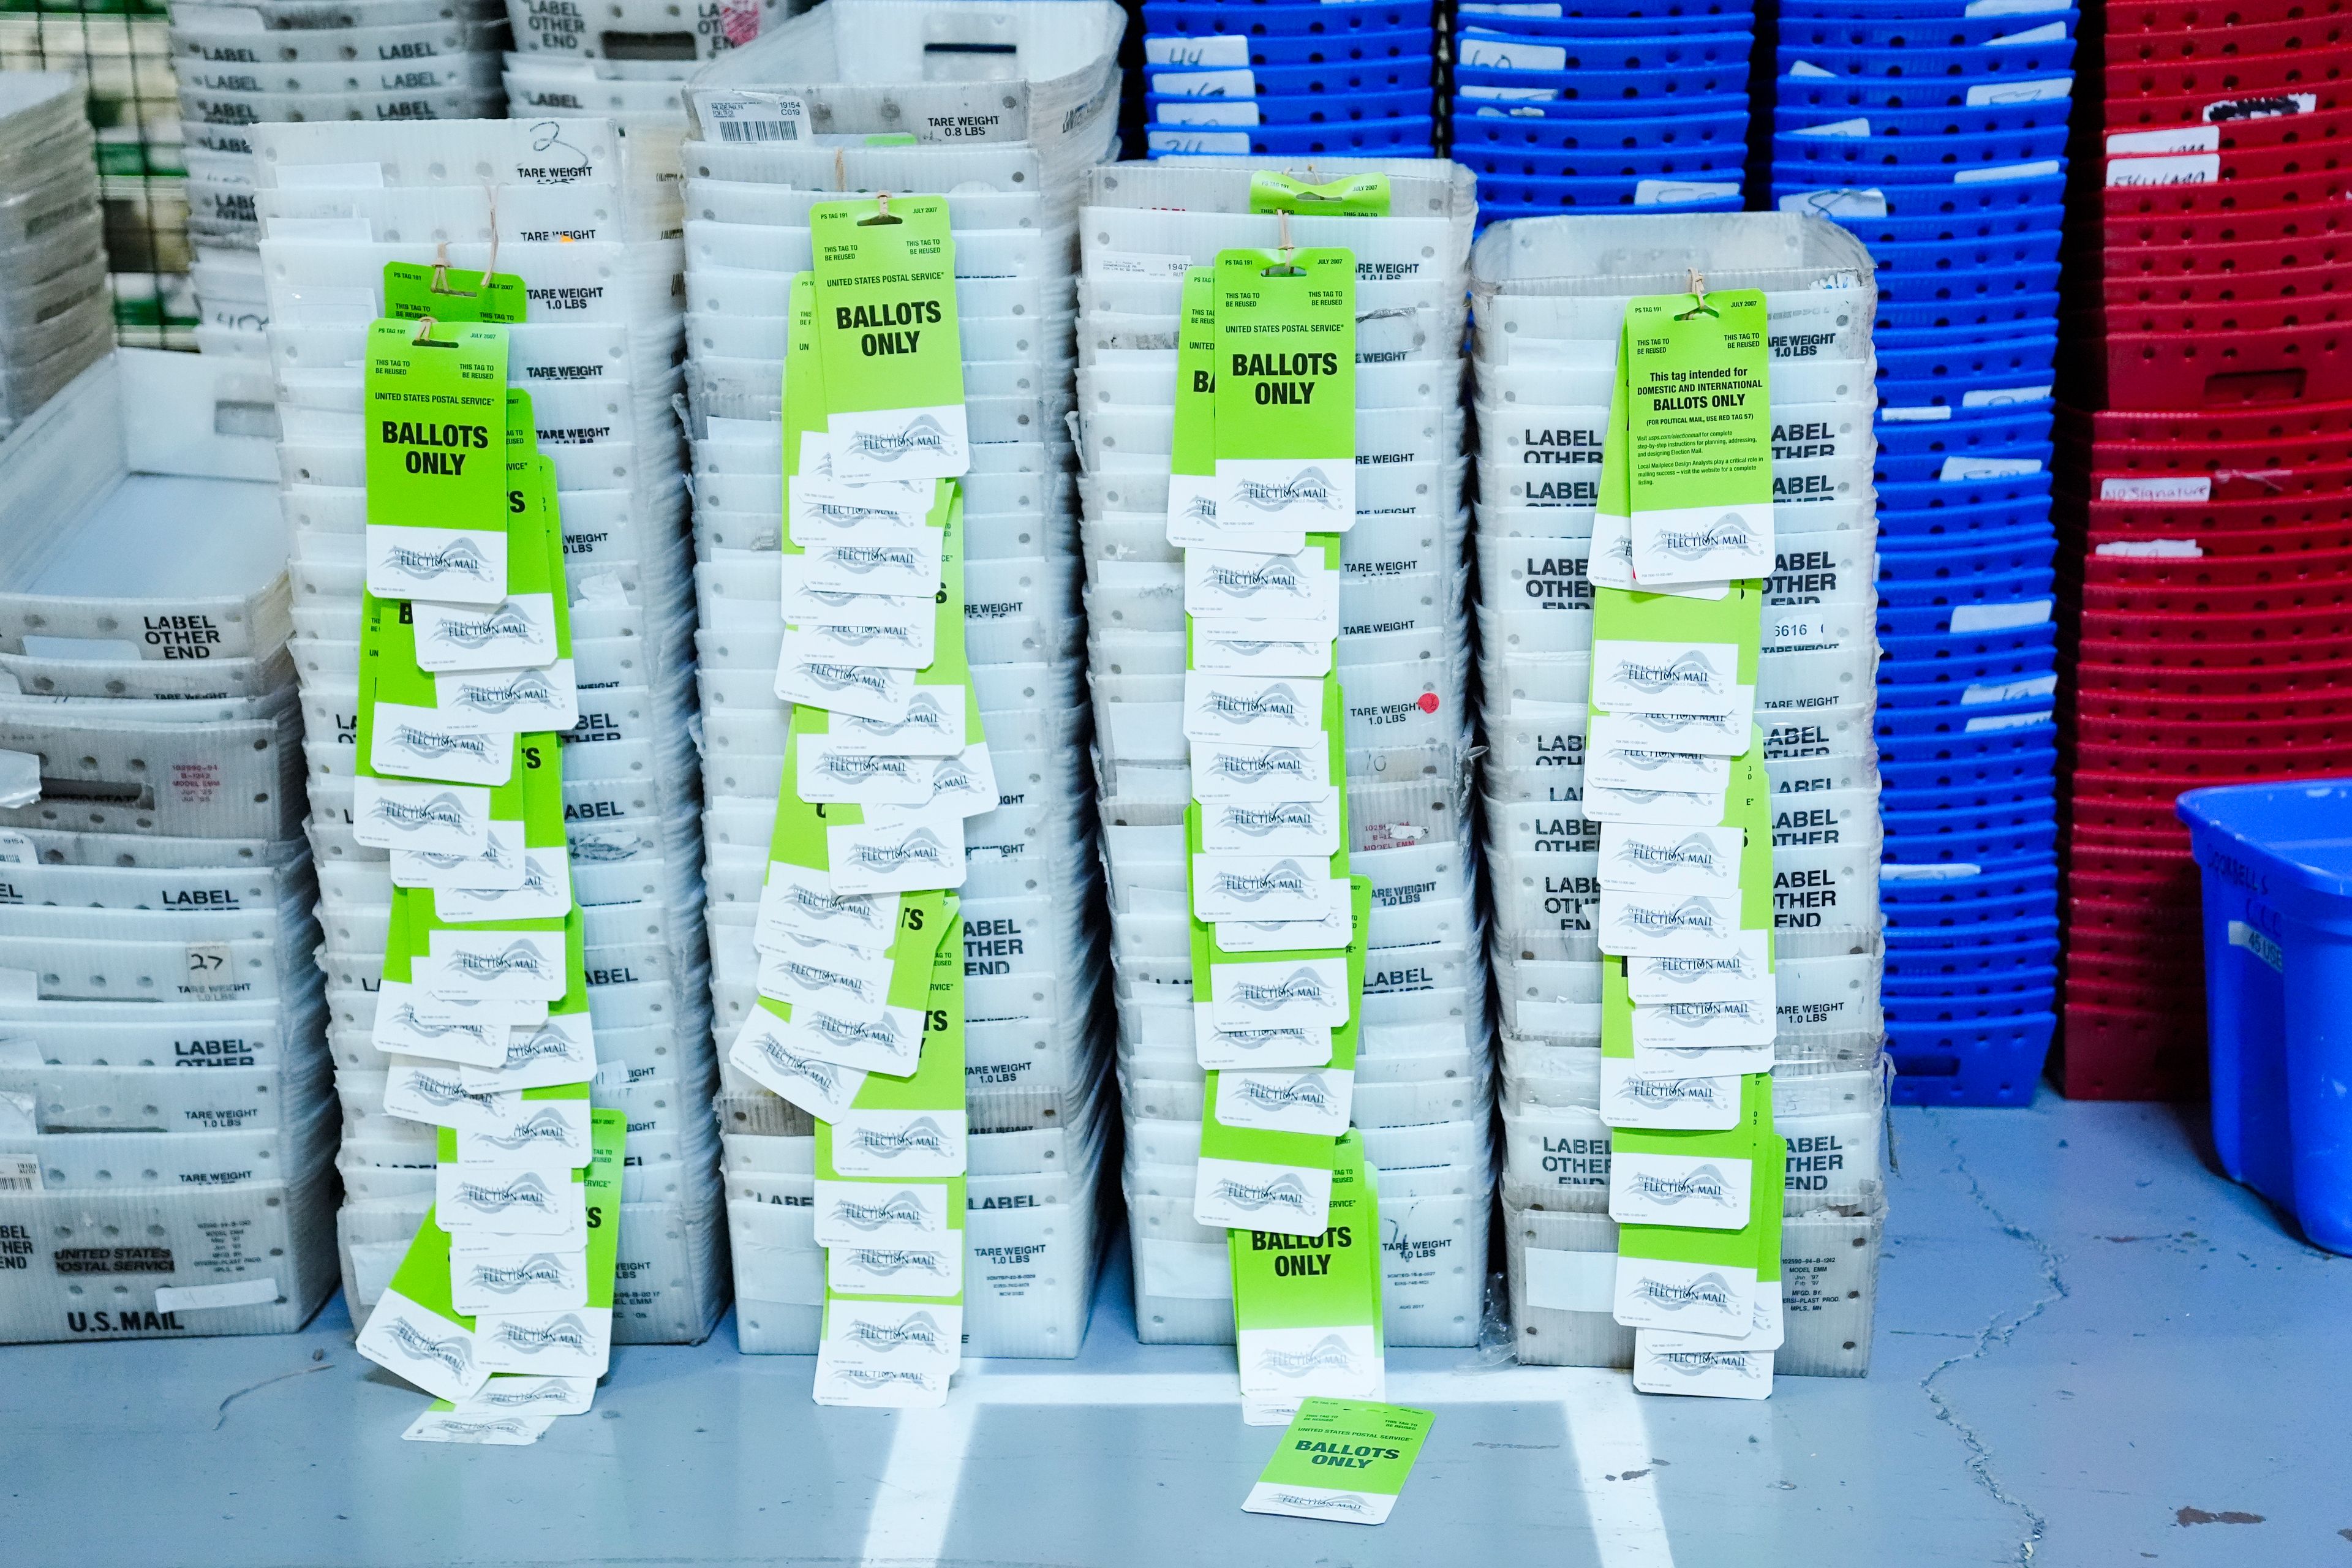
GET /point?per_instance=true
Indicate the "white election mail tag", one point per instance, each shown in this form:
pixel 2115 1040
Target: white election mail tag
pixel 868 691
pixel 1255 648
pixel 1664 924
pixel 1629 769
pixel 1263 887
pixel 915 854
pixel 1639 856
pixel 900 1143
pixel 516 633
pixel 1282 712
pixel 1604 803
pixel 1243 771
pixel 425 742
pixel 798 901
pixel 1636 676
pixel 767 1051
pixel 1306 825
pixel 1710 735
pixel 1741 972
pixel 1311 991
pixel 501 864
pixel 1635 1094
pixel 1315 1100
pixel 1293 1046
pixel 873 1214
pixel 1703 1192
pixel 1734 1023
pixel 881 640
pixel 1296 590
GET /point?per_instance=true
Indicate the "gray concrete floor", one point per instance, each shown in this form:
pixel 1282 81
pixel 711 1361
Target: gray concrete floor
pixel 2091 1350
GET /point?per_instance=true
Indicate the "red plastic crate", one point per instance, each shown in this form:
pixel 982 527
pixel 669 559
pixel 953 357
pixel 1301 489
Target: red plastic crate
pixel 2172 518
pixel 2318 596
pixel 2243 39
pixel 2128 459
pixel 2219 258
pixel 2147 773
pixel 2275 422
pixel 2102 629
pixel 2194 108
pixel 2289 70
pixel 2188 370
pixel 2175 15
pixel 2126 921
pixel 2189 676
pixel 2108 235
pixel 2130 170
pixel 2299 735
pixel 2235 569
pixel 2092 705
pixel 2308 292
pixel 2110 1053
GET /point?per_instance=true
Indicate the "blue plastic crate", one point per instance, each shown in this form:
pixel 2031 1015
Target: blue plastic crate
pixel 1986 224
pixel 1335 79
pixel 1904 563
pixel 1564 128
pixel 2275 865
pixel 1919 467
pixel 1957 1000
pixel 1493 212
pixel 1301 109
pixel 1505 49
pixel 1967 683
pixel 1931 495
pixel 1960 747
pixel 1952 524
pixel 1902 261
pixel 1859 95
pixel 2009 62
pixel 1914 35
pixel 1408 136
pixel 1810 192
pixel 2012 323
pixel 1713 163
pixel 1658 91
pixel 1997 1062
pixel 2020 943
pixel 1962 119
pixel 1974 848
pixel 1905 724
pixel 1930 650
pixel 1967 430
pixel 1904 10
pixel 1990 392
pixel 1599 113
pixel 1575 11
pixel 1976 284
pixel 1722 19
pixel 1178 51
pixel 1195 18
pixel 2015 883
pixel 1905 157
pixel 1555 194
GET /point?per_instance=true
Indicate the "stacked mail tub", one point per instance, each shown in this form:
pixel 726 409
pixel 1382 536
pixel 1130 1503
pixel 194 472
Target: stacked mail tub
pixel 1550 296
pixel 1421 1093
pixel 314 61
pixel 166 1119
pixel 1033 1040
pixel 598 350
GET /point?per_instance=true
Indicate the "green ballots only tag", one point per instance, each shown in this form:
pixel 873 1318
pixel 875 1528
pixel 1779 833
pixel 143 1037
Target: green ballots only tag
pixel 1306 1309
pixel 435 408
pixel 1285 391
pixel 413 290
pixel 1698 423
pixel 887 334
pixel 1344 1459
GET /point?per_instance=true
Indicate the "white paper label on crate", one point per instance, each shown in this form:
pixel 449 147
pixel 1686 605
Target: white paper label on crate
pixel 2011 8
pixel 259 1292
pixel 1967 618
pixel 19 1117
pixel 1945 871
pixel 208 972
pixel 1838 128
pixel 1511 94
pixel 1808 69
pixel 1925 414
pixel 2168 487
pixel 2261 945
pixel 1226 144
pixel 1534 8
pixel 1561 1281
pixel 1992 722
pixel 374 1263
pixel 1677 193
pixel 2004 396
pixel 15 849
pixel 20 779
pixel 1962 469
pixel 2047 90
pixel 1848 203
pixel 20 1173
pixel 2267 106
pixel 1140 264
pixel 1207 111
pixel 2047 33
pixel 2041 168
pixel 2152 549
pixel 2170 169
pixel 753 118
pixel 1981 695
pixel 1665 677
pixel 1241 83
pixel 1214 49
pixel 1513 55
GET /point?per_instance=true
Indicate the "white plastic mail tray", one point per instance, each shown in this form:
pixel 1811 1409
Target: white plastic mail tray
pixel 142 516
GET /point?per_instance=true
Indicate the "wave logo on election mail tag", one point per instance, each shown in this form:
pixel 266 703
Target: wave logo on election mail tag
pixel 1694 853
pixel 452 1355
pixel 523 688
pixel 1664 1092
pixel 899 1208
pixel 856 909
pixel 920 847
pixel 884 1262
pixel 1698 1364
pixel 1339 1502
pixel 1256 767
pixel 1703 1183
pixel 1710 1291
pixel 610 849
pixel 1285 1191
pixel 1261 996
pixel 917 1330
pixel 539 1268
pixel 1307 1093
pixel 842 1032
pixel 1692 914
pixel 502 1392
pixel 1277 574
pixel 867 559
pixel 491 854
pixel 1309 487
pixel 500 1427
pixel 441 1093
pixel 1284 878
pixel 853 636
pixel 404 1019
pixel 1329 1354
pixel 524 1190
pixel 567 1332
pixel 1259 821
pixel 823 1076
pixel 1700 1014
pixel 515 958
pixel 433 745
pixel 844 514
pixel 1690 670
pixel 1257 1040
pixel 926 714
pixel 830 676
pixel 920 434
pixel 814 978
pixel 1202 509
pixel 854 768
pixel 1729 531
pixel 1687 971
pixel 543 1128
pixel 921 1135
pixel 1275 702
pixel 871 1378
pixel 501 623
pixel 460 558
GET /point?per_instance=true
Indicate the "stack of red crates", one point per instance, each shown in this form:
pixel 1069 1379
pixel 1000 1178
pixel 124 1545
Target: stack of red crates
pixel 2205 497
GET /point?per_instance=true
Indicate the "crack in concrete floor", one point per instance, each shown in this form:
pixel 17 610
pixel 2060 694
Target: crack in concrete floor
pixel 1997 1333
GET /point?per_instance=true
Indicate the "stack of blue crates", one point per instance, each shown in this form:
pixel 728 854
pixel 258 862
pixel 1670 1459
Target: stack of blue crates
pixel 1603 106
pixel 1281 79
pixel 1938 134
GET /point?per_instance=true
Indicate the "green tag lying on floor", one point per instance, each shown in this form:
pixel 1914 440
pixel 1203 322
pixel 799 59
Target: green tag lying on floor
pixel 1341 1459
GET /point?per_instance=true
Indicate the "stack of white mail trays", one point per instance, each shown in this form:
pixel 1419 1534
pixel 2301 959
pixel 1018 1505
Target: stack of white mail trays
pixel 568 222
pixel 627 63
pixel 167 1122
pixel 1421 1093
pixel 246 65
pixel 1552 297
pixel 778 134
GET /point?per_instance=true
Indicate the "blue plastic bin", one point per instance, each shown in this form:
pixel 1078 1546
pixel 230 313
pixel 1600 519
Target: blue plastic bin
pixel 2276 866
